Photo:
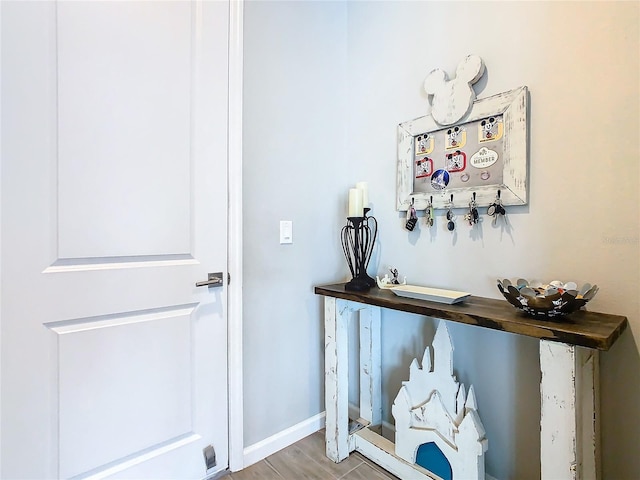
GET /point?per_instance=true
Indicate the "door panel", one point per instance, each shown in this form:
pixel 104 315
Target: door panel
pixel 124 113
pixel 114 127
pixel 115 354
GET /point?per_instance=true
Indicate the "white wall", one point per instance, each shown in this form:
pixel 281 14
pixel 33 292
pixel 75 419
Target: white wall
pixel 325 86
pixel 294 155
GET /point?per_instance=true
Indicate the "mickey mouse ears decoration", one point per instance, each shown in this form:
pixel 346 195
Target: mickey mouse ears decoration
pixel 453 99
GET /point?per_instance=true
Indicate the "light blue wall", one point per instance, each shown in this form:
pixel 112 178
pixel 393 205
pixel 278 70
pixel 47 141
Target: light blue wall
pixel 580 61
pixel 294 169
pixel 361 65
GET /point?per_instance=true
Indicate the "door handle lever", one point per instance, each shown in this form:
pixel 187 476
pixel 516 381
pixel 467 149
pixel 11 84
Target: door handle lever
pixel 213 280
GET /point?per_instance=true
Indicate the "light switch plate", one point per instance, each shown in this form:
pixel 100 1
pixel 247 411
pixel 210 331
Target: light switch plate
pixel 286 232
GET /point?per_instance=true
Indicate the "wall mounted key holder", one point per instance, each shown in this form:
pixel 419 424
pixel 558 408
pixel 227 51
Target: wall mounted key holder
pixel 481 152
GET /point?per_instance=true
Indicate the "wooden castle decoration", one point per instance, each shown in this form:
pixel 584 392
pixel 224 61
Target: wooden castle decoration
pixel 437 422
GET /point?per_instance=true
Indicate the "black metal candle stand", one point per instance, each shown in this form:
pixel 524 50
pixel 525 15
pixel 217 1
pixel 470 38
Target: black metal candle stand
pixel 358 238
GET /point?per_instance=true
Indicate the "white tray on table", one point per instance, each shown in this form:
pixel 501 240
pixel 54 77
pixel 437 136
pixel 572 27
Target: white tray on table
pixel 430 294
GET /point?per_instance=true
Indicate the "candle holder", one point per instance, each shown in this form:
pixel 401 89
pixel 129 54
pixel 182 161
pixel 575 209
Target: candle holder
pixel 358 238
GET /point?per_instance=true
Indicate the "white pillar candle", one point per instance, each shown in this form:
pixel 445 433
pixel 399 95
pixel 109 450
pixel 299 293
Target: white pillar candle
pixel 364 187
pixel 355 202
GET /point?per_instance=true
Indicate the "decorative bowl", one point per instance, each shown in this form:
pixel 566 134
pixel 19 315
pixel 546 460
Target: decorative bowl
pixel 555 299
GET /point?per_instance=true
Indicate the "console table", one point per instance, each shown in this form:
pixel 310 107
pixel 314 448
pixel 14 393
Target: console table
pixel 569 349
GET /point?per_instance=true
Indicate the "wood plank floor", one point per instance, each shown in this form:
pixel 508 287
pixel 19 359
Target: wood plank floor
pixel 306 460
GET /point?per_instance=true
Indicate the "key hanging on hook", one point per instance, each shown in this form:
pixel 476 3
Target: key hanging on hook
pixel 473 217
pixel 500 208
pixel 450 216
pixel 496 209
pixel 412 217
pixel 428 214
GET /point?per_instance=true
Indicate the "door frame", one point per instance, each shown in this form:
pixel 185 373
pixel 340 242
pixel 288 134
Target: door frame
pixel 234 235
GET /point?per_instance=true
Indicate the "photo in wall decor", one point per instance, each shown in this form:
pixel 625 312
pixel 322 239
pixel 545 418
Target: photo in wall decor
pixel 484 151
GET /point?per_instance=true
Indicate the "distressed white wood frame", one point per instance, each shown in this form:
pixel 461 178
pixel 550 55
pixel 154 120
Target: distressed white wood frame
pixel 569 433
pixel 569 424
pixel 370 367
pixel 513 106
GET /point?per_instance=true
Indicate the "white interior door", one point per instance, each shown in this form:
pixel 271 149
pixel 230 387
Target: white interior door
pixel 114 204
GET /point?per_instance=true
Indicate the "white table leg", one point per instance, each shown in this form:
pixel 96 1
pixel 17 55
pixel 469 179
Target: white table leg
pixel 569 434
pixel 370 366
pixel 336 318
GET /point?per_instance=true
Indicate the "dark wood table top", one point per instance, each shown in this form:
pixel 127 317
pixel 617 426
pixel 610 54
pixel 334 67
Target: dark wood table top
pixel 582 328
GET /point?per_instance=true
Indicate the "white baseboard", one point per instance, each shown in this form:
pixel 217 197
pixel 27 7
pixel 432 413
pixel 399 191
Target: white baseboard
pixel 270 445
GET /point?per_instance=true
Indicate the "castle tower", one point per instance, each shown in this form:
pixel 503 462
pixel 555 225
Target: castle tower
pixel 433 414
